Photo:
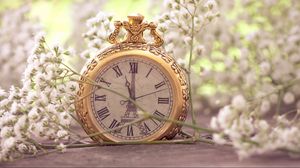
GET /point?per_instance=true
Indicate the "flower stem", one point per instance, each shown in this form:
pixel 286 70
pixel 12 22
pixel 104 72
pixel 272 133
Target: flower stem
pixel 180 141
pixel 279 100
pixel 196 132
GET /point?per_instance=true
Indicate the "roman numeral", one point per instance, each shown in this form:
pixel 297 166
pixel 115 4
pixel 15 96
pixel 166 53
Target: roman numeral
pixel 133 67
pixel 148 73
pixel 100 98
pixel 154 121
pixel 159 114
pixel 129 130
pixel 118 71
pixel 162 100
pixel 114 124
pixel 147 127
pixel 159 84
pixel 105 82
pixel 103 113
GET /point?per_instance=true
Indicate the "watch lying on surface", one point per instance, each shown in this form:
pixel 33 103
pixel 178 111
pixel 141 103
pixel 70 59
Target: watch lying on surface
pixel 146 75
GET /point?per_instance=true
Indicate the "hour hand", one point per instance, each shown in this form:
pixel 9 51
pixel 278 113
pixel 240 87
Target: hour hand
pixel 127 84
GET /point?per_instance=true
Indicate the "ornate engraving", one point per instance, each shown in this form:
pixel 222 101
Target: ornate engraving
pixel 135 29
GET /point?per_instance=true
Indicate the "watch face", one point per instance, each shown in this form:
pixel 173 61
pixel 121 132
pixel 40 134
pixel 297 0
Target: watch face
pixel 141 79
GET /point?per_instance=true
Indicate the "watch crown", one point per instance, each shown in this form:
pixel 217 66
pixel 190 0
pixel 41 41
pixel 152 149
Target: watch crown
pixel 135 19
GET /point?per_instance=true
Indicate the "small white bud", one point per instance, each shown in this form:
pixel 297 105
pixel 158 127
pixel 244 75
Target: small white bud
pixel 239 102
pixel 288 98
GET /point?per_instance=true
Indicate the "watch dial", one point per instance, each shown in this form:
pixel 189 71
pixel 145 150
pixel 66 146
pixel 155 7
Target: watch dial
pixel 143 81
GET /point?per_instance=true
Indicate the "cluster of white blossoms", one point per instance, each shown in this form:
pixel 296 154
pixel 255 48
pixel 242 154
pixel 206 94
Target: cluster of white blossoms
pixel 16 42
pixel 257 53
pixel 99 28
pixel 238 125
pixel 41 109
pixel 244 55
pixel 81 12
pixel 260 75
pixel 180 23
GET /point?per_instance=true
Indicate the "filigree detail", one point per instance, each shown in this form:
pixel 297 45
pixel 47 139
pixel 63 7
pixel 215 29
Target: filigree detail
pixel 135 29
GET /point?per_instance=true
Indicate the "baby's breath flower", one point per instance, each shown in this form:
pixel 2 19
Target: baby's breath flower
pixel 16 43
pixel 239 102
pixel 99 27
pixel 265 106
pixel 41 107
pixel 8 144
pixel 61 147
pixel 219 139
pixel 289 98
pixel 210 4
pixel 265 68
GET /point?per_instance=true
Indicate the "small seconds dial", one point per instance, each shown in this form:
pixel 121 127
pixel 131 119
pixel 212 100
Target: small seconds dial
pixel 143 81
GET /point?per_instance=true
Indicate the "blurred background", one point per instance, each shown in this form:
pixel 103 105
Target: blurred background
pixel 58 17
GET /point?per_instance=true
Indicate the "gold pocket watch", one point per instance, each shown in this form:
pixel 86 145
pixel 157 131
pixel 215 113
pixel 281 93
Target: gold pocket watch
pixel 144 73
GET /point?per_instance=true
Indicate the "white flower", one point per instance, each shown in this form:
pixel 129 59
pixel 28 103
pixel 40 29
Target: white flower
pixel 62 133
pixel 239 103
pixel 288 98
pixel 61 147
pixel 40 37
pixel 210 4
pixel 169 48
pixel 64 118
pixel 265 106
pixel 265 68
pixel 225 116
pixel 263 125
pixel 214 123
pixel 85 54
pixel 181 62
pixel 43 98
pixel 2 93
pixel 200 49
pixel 187 40
pixel 33 114
pixel 22 148
pixel 250 79
pixel 99 27
pixel 19 126
pixel 6 132
pixel 219 139
pixel 8 143
pixel 14 108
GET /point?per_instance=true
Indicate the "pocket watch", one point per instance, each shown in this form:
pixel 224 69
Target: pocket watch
pixel 146 75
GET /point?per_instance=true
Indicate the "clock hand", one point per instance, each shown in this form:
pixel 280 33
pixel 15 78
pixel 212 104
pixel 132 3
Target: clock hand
pixel 150 93
pixel 132 86
pixel 127 84
pixel 130 107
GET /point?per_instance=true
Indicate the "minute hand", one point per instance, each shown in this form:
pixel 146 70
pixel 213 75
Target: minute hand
pixel 149 93
pixel 132 86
